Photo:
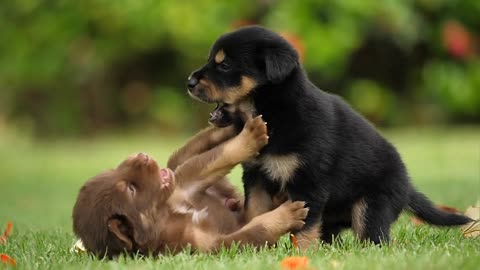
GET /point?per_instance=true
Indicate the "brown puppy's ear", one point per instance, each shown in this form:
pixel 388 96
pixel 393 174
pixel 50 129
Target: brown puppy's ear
pixel 279 63
pixel 120 228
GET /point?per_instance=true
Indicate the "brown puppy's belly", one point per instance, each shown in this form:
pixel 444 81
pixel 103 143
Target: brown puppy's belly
pixel 221 219
pixel 218 208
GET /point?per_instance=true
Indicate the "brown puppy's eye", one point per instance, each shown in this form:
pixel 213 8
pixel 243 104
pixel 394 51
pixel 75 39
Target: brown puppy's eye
pixel 224 66
pixel 131 189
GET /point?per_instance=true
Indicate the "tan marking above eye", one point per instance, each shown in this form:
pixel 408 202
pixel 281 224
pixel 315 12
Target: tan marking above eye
pixel 220 56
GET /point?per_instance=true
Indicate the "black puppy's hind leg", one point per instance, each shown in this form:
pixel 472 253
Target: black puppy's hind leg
pixel 330 232
pixel 372 217
pixel 309 235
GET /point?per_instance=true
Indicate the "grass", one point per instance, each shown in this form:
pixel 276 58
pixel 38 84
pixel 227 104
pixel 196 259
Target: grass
pixel 39 182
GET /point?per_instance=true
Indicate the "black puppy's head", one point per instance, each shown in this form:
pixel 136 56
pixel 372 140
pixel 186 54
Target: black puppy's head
pixel 240 62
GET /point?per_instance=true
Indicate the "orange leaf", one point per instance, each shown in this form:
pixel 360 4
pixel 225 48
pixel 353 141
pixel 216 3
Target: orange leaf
pixel 5 259
pixel 294 240
pixel 8 229
pixel 416 221
pixel 295 263
pixel 4 237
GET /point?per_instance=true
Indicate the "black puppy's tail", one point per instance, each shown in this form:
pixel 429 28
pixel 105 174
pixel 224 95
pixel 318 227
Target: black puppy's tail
pixel 422 207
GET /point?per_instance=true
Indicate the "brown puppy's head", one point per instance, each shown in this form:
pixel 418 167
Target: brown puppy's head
pixel 116 210
pixel 241 62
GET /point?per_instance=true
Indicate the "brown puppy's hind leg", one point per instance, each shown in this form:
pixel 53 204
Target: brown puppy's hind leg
pixel 265 229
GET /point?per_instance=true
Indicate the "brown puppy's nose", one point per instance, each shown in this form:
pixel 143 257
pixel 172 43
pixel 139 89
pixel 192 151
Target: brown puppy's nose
pixel 191 83
pixel 142 156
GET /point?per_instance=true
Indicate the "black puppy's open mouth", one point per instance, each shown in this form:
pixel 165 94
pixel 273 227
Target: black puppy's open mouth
pixel 220 116
pixel 217 113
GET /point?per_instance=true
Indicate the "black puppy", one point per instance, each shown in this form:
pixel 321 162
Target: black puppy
pixel 320 150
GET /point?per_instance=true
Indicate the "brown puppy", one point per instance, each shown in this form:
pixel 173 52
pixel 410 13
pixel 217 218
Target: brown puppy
pixel 138 207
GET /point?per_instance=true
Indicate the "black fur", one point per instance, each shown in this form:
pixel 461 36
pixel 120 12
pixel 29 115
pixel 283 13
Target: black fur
pixel 344 159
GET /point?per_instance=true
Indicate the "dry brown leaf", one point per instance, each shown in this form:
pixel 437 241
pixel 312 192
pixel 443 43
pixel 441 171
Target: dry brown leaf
pixel 4 237
pixel 416 221
pixel 472 229
pixel 294 240
pixel 78 247
pixel 473 212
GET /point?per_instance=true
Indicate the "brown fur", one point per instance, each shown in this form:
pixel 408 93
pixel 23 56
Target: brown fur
pixel 260 202
pixel 139 208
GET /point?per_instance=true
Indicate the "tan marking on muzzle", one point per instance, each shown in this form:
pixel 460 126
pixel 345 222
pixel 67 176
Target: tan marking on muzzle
pixel 210 89
pixel 228 95
pixel 234 94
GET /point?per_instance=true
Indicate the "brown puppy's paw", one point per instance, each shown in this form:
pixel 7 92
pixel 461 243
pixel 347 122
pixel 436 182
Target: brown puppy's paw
pixel 255 134
pixel 294 213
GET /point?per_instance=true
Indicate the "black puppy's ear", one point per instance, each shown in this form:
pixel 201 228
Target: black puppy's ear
pixel 120 227
pixel 279 63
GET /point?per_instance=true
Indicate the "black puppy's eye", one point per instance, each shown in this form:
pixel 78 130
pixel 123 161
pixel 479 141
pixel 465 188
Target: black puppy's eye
pixel 224 66
pixel 131 189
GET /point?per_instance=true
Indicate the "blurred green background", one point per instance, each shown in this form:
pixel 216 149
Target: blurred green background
pixel 85 83
pixel 76 68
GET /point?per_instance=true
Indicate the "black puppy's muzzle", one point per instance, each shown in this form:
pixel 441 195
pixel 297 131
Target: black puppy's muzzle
pixel 195 88
pixel 193 79
pixel 191 83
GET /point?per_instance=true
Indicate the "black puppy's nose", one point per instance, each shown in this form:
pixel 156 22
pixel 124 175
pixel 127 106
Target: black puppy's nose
pixel 192 82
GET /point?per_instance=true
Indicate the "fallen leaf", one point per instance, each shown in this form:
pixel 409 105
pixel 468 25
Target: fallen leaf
pixel 5 259
pixel 473 212
pixel 4 237
pixel 78 247
pixel 472 229
pixel 295 263
pixel 336 264
pixel 416 221
pixel 294 240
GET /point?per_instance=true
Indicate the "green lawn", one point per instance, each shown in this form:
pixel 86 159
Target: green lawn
pixel 39 184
